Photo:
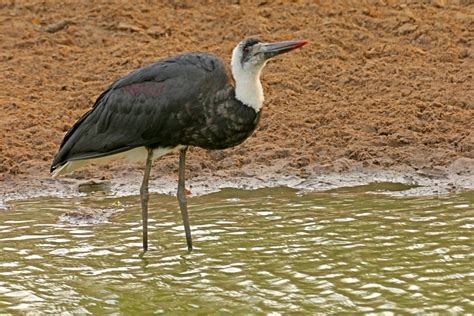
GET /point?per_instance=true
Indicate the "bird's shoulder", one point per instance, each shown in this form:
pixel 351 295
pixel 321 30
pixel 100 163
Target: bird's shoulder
pixel 204 61
pixel 192 67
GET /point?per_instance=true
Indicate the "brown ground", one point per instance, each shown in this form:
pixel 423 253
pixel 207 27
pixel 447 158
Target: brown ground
pixel 383 84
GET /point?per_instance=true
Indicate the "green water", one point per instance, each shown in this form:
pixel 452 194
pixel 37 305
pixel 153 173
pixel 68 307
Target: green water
pixel 263 251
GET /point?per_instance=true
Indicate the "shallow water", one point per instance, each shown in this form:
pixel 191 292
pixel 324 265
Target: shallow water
pixel 269 250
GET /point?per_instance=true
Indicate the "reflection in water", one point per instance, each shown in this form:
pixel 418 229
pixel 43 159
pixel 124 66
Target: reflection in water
pixel 256 251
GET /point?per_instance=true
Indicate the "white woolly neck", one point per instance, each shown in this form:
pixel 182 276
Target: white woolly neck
pixel 248 88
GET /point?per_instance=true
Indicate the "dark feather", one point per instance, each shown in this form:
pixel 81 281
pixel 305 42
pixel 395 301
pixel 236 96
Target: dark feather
pixel 184 100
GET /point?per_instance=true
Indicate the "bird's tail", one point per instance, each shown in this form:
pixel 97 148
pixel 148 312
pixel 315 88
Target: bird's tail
pixel 68 167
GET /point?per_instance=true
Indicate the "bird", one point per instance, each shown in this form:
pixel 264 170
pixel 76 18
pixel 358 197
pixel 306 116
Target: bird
pixel 170 105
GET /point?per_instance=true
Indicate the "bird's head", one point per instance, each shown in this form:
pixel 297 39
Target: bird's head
pixel 248 59
pixel 251 54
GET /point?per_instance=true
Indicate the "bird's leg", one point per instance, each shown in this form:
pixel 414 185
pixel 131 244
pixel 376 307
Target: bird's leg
pixel 182 197
pixel 144 197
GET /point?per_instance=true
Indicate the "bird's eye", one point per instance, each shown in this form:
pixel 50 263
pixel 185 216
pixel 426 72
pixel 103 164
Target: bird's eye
pixel 246 49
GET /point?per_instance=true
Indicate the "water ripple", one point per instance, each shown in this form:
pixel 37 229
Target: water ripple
pixel 267 251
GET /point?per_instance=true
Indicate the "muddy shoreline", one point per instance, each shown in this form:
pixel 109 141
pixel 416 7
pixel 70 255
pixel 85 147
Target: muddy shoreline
pixel 423 182
pixel 383 92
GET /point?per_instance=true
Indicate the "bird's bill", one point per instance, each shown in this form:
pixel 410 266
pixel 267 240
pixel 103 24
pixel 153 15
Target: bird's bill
pixel 272 49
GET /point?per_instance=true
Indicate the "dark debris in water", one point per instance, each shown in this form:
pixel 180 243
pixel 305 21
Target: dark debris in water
pixel 93 186
pixel 88 216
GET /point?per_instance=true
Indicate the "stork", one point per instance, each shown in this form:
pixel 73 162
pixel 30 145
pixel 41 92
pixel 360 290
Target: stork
pixel 177 102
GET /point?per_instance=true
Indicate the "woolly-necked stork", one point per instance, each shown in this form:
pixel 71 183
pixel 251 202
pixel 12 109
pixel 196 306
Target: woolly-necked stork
pixel 177 102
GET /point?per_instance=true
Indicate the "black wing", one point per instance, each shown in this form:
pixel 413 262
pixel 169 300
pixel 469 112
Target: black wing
pixel 145 108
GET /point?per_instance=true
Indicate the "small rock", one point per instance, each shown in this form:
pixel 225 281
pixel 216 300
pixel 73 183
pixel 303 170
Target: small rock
pixel 127 27
pixel 439 3
pixel 55 27
pixel 407 28
pixel 462 166
pixel 93 186
pixel 405 92
pixel 433 172
pixel 464 53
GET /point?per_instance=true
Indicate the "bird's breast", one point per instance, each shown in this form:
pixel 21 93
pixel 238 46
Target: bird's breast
pixel 224 126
